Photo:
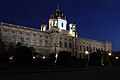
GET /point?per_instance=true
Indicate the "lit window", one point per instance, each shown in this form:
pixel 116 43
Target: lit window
pixel 55 23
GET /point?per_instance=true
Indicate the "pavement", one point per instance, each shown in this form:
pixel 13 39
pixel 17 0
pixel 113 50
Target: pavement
pixel 89 73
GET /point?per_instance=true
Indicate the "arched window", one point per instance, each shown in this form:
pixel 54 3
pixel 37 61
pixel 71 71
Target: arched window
pixel 65 45
pixel 70 45
pixel 27 40
pixel 84 48
pixel 40 42
pixel 80 47
pixel 12 39
pixel 87 48
pixel 62 25
pixel 60 44
pixel 20 33
pixel 93 49
pixel 90 48
pixel 46 43
pixel 4 38
pixel 5 30
pixel 34 41
pixel 20 40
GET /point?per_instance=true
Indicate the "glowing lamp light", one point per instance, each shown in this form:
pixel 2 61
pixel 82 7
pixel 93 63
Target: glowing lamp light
pixel 76 35
pixel 33 57
pixel 11 57
pixel 109 54
pixel 86 52
pixel 116 57
pixel 56 55
pixel 43 57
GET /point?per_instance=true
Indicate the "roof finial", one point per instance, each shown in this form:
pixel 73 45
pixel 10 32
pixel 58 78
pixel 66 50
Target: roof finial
pixel 58 8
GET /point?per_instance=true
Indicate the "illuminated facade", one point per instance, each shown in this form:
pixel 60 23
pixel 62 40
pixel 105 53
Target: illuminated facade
pixel 56 38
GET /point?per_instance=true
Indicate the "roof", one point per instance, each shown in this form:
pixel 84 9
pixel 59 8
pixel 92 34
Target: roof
pixel 58 14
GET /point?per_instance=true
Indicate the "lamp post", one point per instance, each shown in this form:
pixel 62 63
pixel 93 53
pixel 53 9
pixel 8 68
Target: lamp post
pixel 109 54
pixel 86 57
pixel 56 54
pixel 55 45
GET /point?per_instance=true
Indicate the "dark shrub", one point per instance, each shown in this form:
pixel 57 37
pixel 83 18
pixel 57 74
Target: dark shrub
pixel 23 56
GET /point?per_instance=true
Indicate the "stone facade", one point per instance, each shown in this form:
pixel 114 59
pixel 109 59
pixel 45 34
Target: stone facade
pixel 56 38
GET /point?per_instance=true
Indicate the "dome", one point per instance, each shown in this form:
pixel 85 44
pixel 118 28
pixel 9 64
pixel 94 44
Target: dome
pixel 58 14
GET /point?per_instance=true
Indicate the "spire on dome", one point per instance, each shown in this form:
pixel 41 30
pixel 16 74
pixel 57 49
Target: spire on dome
pixel 58 9
pixel 58 14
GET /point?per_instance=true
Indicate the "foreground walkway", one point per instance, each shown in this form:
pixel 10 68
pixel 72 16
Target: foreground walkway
pixel 92 73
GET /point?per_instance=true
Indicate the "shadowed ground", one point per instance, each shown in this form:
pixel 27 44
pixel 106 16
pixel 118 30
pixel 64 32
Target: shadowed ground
pixel 105 73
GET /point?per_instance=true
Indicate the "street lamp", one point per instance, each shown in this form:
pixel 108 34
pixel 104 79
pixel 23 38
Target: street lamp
pixel 56 56
pixel 11 57
pixel 116 57
pixel 110 54
pixel 33 57
pixel 86 57
pixel 86 52
pixel 43 57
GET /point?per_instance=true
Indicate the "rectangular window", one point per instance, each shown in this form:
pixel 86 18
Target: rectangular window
pixel 62 24
pixel 81 47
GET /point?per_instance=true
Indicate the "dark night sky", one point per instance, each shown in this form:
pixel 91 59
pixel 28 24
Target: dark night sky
pixel 95 19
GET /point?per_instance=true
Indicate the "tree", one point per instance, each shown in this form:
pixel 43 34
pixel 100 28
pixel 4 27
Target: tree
pixel 52 58
pixel 95 58
pixel 2 44
pixel 23 56
pixel 18 44
pixel 64 58
pixel 105 58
